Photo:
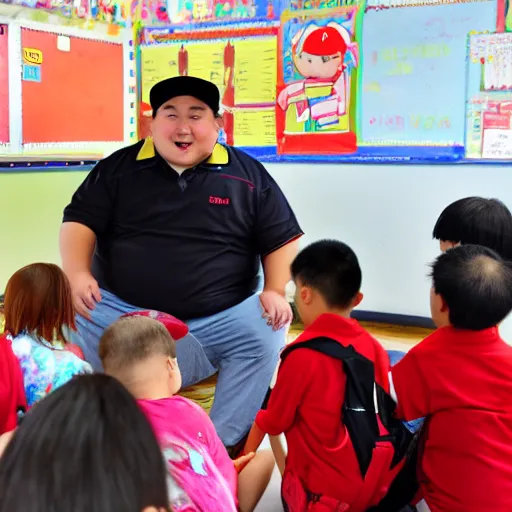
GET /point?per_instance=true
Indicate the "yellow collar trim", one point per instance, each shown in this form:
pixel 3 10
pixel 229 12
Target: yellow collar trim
pixel 219 155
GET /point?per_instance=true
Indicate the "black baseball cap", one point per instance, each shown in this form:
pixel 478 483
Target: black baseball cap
pixel 203 90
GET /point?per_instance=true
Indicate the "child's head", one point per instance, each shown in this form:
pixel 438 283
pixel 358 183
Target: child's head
pixel 471 288
pixel 476 220
pixel 141 354
pixel 327 277
pixel 85 447
pixel 38 299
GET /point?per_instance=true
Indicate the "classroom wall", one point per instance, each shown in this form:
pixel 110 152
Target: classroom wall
pixel 386 213
pixel 31 205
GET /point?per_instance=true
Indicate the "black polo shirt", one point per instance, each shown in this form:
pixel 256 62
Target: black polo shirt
pixel 188 244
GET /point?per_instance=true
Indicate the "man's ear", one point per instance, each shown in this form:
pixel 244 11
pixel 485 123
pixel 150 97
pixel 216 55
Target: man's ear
pixel 219 120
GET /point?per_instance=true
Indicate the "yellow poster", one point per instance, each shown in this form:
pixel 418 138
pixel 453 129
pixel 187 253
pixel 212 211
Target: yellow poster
pixel 255 70
pixel 203 59
pixel 157 63
pixel 245 69
pixel 255 128
pixel 206 60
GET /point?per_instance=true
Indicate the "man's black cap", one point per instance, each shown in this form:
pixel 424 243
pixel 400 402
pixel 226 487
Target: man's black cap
pixel 204 91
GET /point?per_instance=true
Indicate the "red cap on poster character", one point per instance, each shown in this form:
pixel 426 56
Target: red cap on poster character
pixel 176 328
pixel 324 41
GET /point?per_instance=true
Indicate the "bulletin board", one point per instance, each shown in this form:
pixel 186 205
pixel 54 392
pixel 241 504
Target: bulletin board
pixel 489 97
pixel 357 81
pixel 4 85
pixel 243 65
pixel 414 78
pixel 72 89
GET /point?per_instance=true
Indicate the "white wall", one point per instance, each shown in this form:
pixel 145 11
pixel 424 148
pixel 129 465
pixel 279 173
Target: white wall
pixel 386 213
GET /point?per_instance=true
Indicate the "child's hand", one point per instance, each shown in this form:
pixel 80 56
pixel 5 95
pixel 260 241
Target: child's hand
pixel 242 461
pixel 5 439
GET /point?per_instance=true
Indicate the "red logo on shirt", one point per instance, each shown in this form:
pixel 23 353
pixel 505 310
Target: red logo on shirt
pixel 219 200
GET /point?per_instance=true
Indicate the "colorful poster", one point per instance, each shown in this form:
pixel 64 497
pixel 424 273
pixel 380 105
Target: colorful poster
pixel 191 11
pixel 150 12
pixel 318 66
pixel 489 104
pixel 244 68
pixel 414 76
pixel 76 12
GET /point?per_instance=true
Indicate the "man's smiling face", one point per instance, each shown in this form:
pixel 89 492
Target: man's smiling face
pixel 185 131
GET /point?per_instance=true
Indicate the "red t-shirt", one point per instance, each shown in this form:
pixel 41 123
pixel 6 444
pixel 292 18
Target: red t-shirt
pixel 306 404
pixel 12 391
pixel 462 382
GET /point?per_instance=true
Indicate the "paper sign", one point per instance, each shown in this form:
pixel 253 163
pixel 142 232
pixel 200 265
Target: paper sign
pixel 32 56
pixel 63 43
pixel 31 73
pixel 497 144
pixel 496 120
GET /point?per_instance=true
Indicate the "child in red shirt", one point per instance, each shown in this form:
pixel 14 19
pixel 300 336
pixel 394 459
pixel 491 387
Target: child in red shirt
pixel 307 400
pixel 460 379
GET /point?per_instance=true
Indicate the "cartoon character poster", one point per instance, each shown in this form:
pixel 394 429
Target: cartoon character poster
pixel 315 110
pixel 190 11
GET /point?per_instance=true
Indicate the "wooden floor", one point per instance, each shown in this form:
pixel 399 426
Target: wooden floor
pixel 393 337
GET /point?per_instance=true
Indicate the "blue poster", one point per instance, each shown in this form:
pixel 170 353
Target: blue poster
pixel 31 73
pixel 414 72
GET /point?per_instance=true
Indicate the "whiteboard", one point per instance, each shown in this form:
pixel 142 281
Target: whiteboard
pixel 414 72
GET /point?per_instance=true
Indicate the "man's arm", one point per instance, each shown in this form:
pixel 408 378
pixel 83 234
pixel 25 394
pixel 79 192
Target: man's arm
pixel 87 215
pixel 77 243
pixel 277 233
pixel 276 270
pixel 276 267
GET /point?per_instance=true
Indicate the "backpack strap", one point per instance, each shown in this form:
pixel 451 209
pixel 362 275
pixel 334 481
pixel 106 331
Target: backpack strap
pixel 365 403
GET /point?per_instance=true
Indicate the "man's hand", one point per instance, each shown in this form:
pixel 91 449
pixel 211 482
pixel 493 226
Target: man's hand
pixel 242 461
pixel 86 292
pixel 276 309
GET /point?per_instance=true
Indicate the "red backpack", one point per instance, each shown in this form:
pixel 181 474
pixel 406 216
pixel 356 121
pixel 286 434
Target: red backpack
pixel 12 390
pixel 381 442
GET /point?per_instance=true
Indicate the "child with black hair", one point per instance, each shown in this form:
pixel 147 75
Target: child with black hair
pixel 476 220
pixel 479 221
pixel 86 447
pixel 460 379
pixel 322 469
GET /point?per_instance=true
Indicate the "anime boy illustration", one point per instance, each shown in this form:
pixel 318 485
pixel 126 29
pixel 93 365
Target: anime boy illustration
pixel 324 56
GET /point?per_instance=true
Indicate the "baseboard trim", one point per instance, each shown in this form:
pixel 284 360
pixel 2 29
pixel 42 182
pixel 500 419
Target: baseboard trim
pixel 384 318
pixel 393 319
